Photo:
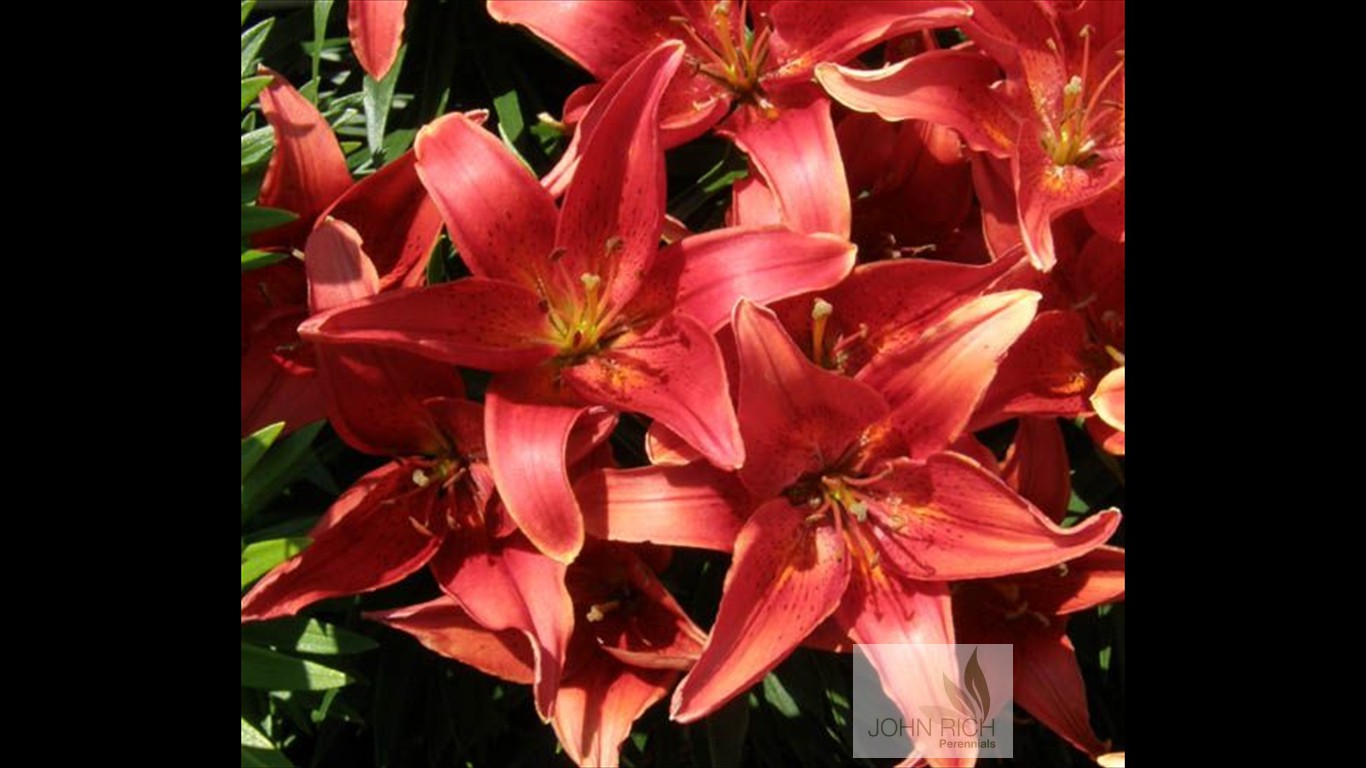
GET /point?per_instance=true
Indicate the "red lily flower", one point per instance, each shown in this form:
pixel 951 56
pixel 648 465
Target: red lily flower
pixel 844 524
pixel 630 643
pixel 433 505
pixel 578 308
pixel 756 58
pixel 307 175
pixel 1058 117
pixel 376 28
pixel 1030 611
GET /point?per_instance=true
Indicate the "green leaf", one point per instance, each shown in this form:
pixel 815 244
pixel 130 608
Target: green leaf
pixel 254 259
pixel 378 97
pixel 304 635
pixel 252 40
pixel 775 693
pixel 247 5
pixel 398 142
pixel 256 146
pixel 271 671
pixel 321 10
pixel 259 558
pixel 281 466
pixel 509 111
pixel 255 445
pixel 258 219
pixel 252 87
pixel 257 751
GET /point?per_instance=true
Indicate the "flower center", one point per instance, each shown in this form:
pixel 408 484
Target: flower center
pixel 1087 121
pixel 737 59
pixel 582 320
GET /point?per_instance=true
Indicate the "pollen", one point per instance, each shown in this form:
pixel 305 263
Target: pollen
pixel 420 478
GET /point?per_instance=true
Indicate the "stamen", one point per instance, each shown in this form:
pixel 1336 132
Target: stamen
pixel 860 511
pixel 696 38
pixel 720 14
pixel 422 529
pixel 1104 83
pixel 420 478
pixel 599 611
pixel 591 284
pixel 820 315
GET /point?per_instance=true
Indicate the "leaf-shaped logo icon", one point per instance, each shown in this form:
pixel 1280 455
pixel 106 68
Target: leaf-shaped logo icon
pixel 977 686
pixel 957 697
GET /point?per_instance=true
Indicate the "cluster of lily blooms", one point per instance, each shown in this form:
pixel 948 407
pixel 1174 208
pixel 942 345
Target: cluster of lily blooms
pixel 921 250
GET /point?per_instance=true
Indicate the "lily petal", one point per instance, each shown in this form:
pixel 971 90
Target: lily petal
pixel 509 585
pixel 613 212
pixel 897 623
pixel 752 203
pixel 1036 465
pixel 395 217
pixel 812 32
pixel 376 28
pixel 951 88
pixel 1049 685
pixel 663 446
pixel 307 170
pixel 601 37
pixel 1095 578
pixel 787 577
pixel 709 272
pixel 795 416
pixel 485 324
pixel 445 628
pixel 934 382
pixel 499 217
pixel 1106 213
pixel 1109 398
pixel 799 159
pixel 527 426
pixel 596 707
pixel 273 391
pixel 1047 372
pixel 947 518
pixel 375 534
pixel 672 372
pixel 694 505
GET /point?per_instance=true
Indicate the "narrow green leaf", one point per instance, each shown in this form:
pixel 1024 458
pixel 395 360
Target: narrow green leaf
pixel 257 751
pixel 259 558
pixel 247 5
pixel 255 445
pixel 256 146
pixel 254 259
pixel 251 87
pixel 379 96
pixel 304 635
pixel 281 466
pixel 398 142
pixel 271 671
pixel 321 10
pixel 252 40
pixel 258 219
pixel 775 693
pixel 509 111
